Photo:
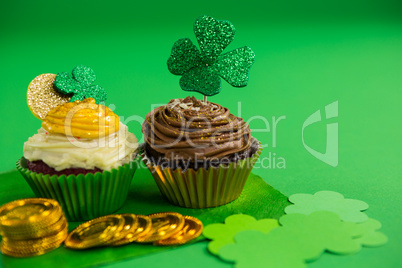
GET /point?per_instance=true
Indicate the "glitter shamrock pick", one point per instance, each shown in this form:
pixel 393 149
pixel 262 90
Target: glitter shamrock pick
pixel 202 70
pixel 79 83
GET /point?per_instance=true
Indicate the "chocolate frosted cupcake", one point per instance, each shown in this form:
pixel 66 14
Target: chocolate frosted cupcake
pixel 189 133
pixel 199 153
pixel 82 156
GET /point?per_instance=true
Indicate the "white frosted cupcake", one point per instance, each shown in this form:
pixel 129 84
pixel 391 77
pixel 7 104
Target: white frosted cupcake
pixel 84 157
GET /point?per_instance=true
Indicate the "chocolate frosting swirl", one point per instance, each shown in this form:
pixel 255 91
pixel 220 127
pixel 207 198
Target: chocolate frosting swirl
pixel 191 129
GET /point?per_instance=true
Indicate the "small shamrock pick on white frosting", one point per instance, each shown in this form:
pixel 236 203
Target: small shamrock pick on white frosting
pixel 78 83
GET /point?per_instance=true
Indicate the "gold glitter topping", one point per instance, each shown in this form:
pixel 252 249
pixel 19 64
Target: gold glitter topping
pixel 42 97
pixel 82 119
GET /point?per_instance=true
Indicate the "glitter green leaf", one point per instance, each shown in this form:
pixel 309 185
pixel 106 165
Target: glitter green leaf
pixel 79 83
pixel 203 78
pixel 230 66
pixel 213 36
pixel 185 56
pixel 202 70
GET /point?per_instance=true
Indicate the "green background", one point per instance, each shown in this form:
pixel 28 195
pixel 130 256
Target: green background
pixel 308 54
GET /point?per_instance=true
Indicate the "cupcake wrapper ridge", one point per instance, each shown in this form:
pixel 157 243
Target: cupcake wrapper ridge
pixel 203 188
pixel 83 197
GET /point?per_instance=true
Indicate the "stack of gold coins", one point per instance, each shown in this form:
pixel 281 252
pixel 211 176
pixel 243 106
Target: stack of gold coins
pixel 31 227
pixel 166 228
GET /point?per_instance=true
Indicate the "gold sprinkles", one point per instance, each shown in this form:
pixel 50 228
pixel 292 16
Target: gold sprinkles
pixel 42 97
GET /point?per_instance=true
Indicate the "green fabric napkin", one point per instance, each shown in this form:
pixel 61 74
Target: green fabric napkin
pixel 258 199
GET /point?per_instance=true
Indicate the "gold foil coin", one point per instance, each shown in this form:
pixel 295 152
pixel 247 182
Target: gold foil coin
pixel 46 239
pixel 29 213
pixel 130 223
pixel 32 227
pixel 22 254
pixel 96 232
pixel 191 230
pixel 38 232
pixel 142 227
pixel 42 97
pixel 164 225
pixel 32 246
pixel 32 250
pixel 28 248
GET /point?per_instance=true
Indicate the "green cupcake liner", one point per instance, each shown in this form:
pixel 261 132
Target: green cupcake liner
pixel 83 197
pixel 203 188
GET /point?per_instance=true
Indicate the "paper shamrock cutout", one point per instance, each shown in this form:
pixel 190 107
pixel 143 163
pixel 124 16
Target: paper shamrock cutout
pixel 319 231
pixel 300 238
pixel 79 83
pixel 371 237
pixel 222 234
pixel 202 71
pixel 255 249
pixel 347 209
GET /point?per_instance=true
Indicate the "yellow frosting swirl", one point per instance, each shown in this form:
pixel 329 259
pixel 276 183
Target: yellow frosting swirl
pixel 82 119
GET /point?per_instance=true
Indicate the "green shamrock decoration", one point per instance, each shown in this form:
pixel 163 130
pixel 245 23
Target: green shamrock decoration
pixel 347 209
pixel 256 249
pixel 202 71
pixel 371 237
pixel 222 234
pixel 79 83
pixel 300 238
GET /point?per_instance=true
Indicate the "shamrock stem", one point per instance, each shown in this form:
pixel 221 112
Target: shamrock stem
pixel 205 99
